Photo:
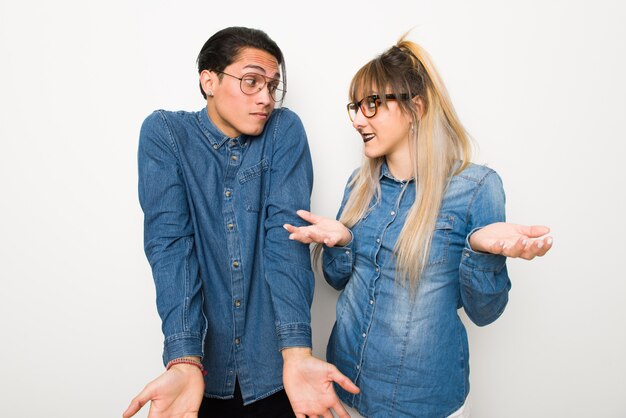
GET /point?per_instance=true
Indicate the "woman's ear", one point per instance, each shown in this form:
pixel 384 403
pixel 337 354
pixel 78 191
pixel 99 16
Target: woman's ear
pixel 421 106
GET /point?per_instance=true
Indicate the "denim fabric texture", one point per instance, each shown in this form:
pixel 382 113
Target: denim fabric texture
pixel 230 286
pixel 408 351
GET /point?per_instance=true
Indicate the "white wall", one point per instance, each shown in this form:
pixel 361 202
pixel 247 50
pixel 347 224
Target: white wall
pixel 539 84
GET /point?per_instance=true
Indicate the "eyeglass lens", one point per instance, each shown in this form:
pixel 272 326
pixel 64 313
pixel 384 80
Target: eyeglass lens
pixel 368 105
pixel 253 83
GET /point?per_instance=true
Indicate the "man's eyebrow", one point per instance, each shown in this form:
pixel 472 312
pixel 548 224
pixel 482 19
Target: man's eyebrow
pixel 261 69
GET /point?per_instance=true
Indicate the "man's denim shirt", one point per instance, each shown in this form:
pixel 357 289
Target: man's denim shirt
pixel 230 286
pixel 408 351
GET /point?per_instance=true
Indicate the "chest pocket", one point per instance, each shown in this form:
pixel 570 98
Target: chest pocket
pixel 440 244
pixel 251 180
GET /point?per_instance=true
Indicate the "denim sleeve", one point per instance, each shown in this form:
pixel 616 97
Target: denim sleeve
pixel 288 263
pixel 169 240
pixel 484 279
pixel 338 262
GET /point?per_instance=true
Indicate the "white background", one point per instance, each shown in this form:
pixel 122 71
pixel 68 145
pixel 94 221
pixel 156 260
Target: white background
pixel 539 85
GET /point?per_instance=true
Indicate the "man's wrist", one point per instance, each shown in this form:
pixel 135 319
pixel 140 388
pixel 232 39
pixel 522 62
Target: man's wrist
pixel 187 363
pixel 294 353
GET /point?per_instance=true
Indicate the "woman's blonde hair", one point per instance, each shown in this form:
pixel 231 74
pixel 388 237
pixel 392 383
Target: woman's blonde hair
pixel 439 145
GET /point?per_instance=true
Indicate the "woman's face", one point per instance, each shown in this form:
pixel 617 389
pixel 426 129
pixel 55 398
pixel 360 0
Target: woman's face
pixel 386 133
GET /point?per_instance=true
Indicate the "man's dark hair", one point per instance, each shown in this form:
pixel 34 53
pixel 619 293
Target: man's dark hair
pixel 223 47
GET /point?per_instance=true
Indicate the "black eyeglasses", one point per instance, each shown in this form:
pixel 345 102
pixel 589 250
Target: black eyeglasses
pixel 252 83
pixel 369 104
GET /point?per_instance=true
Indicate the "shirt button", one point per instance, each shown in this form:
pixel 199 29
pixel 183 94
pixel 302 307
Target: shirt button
pixel 215 146
pixel 358 367
pixel 393 213
pixel 232 143
pixel 237 340
pixel 364 335
pixel 371 301
pixel 347 251
pixel 377 239
pixel 227 193
pixel 237 303
pixel 377 269
pixel 230 226
pixel 234 158
pixel 235 263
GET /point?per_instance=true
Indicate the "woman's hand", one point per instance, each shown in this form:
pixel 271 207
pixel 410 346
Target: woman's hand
pixel 512 240
pixel 322 231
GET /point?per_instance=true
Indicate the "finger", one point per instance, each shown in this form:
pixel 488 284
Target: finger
pixel 311 234
pixel 302 234
pixel 343 381
pixel 327 414
pixel 290 228
pixel 330 242
pixel 517 249
pixel 549 241
pixel 308 216
pixel 303 238
pixel 300 416
pixel 546 245
pixel 537 249
pixel 496 247
pixel 340 411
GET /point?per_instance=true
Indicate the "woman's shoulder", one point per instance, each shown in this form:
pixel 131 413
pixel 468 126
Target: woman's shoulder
pixel 474 178
pixel 476 173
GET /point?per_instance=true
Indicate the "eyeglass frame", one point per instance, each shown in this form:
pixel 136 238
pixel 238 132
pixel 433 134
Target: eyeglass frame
pixel 266 83
pixel 377 100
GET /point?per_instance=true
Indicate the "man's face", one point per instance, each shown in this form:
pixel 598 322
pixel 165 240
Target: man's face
pixel 230 109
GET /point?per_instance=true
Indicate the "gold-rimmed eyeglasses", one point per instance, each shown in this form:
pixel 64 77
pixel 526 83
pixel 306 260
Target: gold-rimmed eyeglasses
pixel 252 83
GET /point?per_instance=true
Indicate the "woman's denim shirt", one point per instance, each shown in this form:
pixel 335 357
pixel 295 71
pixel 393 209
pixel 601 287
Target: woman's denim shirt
pixel 407 351
pixel 230 286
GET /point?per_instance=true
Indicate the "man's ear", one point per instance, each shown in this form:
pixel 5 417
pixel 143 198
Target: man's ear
pixel 207 80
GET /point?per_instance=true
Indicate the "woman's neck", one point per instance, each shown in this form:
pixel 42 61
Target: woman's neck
pixel 400 166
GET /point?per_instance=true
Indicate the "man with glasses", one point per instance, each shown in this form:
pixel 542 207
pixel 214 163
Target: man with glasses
pixel 233 292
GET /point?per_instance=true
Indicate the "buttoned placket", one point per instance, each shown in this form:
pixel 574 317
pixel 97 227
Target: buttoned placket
pixel 234 152
pixel 386 220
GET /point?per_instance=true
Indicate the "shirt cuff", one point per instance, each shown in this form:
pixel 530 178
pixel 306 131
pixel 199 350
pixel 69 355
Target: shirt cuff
pixel 480 260
pixel 182 345
pixel 294 335
pixel 341 255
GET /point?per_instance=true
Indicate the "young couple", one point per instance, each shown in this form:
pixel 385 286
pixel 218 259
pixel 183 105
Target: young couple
pixel 420 233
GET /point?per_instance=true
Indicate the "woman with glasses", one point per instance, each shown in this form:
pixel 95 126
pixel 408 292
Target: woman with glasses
pixel 420 234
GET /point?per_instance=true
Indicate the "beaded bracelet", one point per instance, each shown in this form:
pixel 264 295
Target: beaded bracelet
pixel 186 361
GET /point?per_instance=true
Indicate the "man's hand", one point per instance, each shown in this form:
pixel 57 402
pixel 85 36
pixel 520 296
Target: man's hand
pixel 177 393
pixel 309 384
pixel 512 240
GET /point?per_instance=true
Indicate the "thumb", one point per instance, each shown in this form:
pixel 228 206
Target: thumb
pixel 535 231
pixel 343 381
pixel 137 403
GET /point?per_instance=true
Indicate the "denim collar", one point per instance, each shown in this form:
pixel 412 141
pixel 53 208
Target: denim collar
pixel 384 172
pixel 216 137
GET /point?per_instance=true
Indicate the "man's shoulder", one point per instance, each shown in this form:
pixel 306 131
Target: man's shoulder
pixel 284 125
pixel 161 116
pixel 284 116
